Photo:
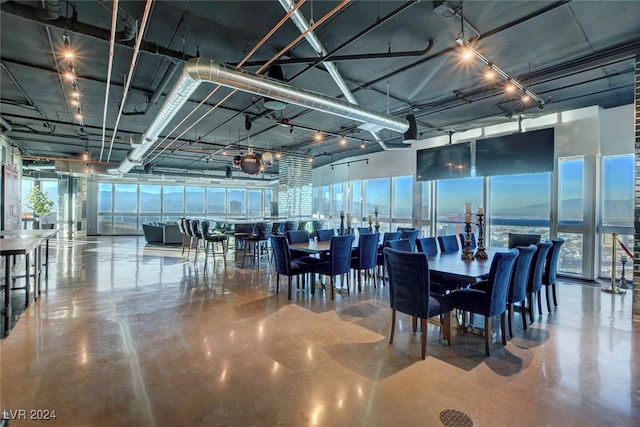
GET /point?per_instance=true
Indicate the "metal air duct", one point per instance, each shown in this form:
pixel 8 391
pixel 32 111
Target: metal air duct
pixel 199 70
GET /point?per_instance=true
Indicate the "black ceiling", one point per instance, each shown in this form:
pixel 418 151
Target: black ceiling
pixel 396 57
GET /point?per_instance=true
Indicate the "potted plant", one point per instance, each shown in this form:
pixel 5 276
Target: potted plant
pixel 40 203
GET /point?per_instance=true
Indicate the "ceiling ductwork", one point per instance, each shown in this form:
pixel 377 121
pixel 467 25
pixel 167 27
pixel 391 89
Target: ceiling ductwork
pixel 201 70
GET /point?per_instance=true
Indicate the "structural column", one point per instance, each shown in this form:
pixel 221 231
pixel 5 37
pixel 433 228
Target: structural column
pixel 636 219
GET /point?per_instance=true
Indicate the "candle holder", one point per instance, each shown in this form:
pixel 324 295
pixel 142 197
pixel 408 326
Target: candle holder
pixel 341 231
pixel 481 253
pixel 370 226
pixel 349 229
pixel 377 226
pixel 467 252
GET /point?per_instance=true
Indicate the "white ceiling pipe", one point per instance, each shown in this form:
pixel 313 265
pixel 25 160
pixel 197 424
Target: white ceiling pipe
pixel 200 70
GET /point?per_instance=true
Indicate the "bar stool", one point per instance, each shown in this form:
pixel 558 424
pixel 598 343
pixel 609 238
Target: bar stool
pixel 212 240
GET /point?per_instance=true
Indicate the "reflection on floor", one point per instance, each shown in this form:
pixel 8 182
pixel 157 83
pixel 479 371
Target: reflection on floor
pixel 130 334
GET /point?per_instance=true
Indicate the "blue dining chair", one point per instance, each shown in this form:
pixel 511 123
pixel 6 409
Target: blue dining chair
pixel 389 235
pixel 364 257
pixel 297 236
pixel 535 276
pixel 283 263
pixel 324 235
pixel 462 237
pixel 491 301
pixel 448 243
pixel 517 292
pixel 517 239
pixel 429 246
pixel 399 245
pixel 550 270
pixel 410 293
pixel 338 263
pixel 410 235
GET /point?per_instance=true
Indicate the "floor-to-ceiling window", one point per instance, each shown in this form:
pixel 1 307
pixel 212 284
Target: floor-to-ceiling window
pixel 451 197
pixel 518 204
pixel 377 193
pixel 617 210
pixel 402 203
pixel 571 208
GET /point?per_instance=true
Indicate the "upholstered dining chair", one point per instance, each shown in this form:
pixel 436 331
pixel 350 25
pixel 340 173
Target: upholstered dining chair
pixel 550 270
pixel 535 276
pixel 517 239
pixel 364 257
pixel 297 236
pixel 363 230
pixel 399 245
pixel 389 235
pixel 493 300
pixel 462 237
pixel 410 235
pixel 290 226
pixel 338 263
pixel 283 263
pixel 448 243
pixel 517 292
pixel 324 235
pixel 410 293
pixel 429 246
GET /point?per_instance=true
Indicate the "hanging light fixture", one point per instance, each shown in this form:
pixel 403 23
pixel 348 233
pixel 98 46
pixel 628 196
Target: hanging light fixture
pixel 512 82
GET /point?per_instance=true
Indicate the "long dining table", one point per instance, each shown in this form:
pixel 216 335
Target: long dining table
pixel 23 242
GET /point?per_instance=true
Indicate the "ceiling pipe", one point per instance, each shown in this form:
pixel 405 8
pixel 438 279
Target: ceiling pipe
pixel 313 40
pixel 199 70
pixel 130 26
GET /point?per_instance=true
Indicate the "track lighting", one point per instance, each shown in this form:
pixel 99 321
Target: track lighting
pixel 512 83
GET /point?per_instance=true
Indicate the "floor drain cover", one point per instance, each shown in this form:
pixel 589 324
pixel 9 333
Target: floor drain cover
pixel 167 297
pixel 453 418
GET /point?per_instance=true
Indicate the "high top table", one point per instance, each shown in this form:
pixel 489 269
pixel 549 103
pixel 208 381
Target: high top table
pixel 23 242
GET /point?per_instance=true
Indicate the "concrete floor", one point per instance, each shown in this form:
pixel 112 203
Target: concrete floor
pixel 129 334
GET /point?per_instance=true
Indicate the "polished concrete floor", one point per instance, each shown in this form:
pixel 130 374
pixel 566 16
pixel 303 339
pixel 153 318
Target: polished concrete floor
pixel 129 334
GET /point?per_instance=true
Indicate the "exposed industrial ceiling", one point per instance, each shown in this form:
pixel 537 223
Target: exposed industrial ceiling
pixel 393 57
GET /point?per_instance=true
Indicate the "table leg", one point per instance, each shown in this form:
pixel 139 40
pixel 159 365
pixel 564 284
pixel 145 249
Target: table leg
pixel 46 262
pixel 7 296
pixel 26 281
pixel 38 270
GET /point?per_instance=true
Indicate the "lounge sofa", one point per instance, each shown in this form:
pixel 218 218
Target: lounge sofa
pixel 159 232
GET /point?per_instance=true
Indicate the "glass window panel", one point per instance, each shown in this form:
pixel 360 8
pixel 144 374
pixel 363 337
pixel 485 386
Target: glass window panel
pixel 336 199
pixel 617 190
pixel 172 198
pixel 377 192
pixel 452 194
pixel 605 255
pixel 315 204
pixel 324 200
pixel 51 188
pixel 570 258
pixel 519 204
pixel 356 199
pixel 104 197
pixel 150 198
pixel 426 200
pixel 571 189
pixel 126 198
pixel 194 200
pixel 268 198
pixel 26 189
pixel 254 203
pixel 403 197
pixel 216 201
pixel 235 199
pixel 105 222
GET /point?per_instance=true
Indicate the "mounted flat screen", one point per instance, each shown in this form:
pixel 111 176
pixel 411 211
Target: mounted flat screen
pixel 529 152
pixel 446 162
